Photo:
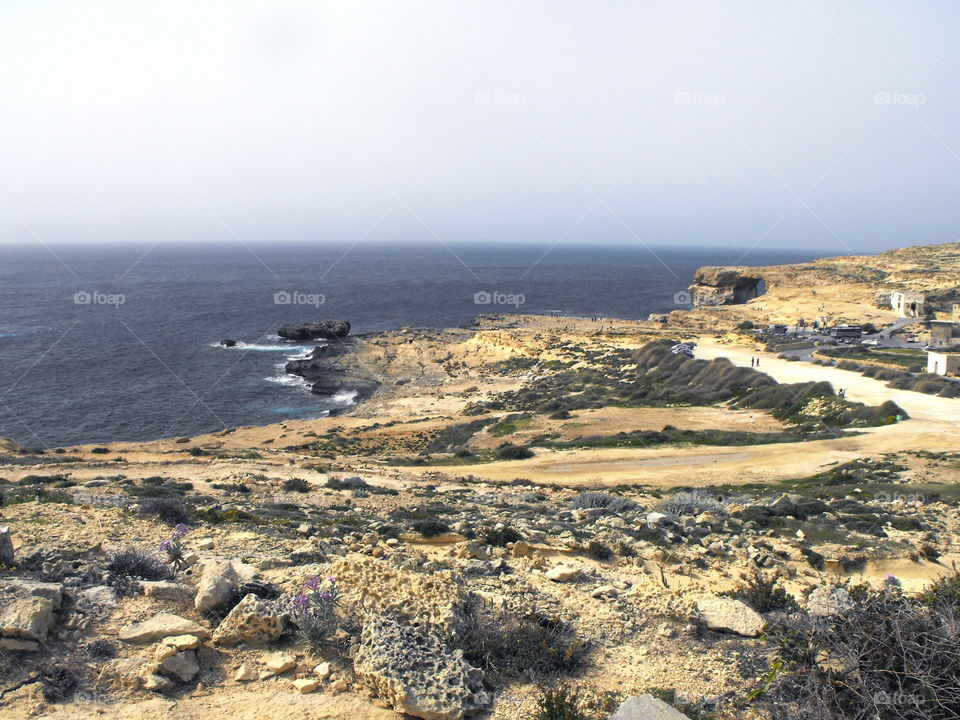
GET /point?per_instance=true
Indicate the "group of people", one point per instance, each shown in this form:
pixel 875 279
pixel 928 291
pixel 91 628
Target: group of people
pixel 754 361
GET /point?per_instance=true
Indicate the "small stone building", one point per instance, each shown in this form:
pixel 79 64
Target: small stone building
pixel 908 303
pixel 942 333
pixel 940 363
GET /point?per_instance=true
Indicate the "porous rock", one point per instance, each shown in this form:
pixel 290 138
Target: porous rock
pixel 382 589
pixel 408 668
pixel 252 621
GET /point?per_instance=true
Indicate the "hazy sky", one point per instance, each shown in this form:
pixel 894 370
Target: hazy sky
pixel 763 123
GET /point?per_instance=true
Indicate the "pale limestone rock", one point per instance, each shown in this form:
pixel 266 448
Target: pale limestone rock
pixel 646 707
pixel 215 585
pixel 562 573
pixel 181 666
pixel 730 615
pixel 410 669
pixel 306 685
pixel 182 642
pixel 280 662
pixel 29 618
pixel 160 626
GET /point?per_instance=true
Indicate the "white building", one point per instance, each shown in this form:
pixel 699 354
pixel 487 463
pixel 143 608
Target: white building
pixel 908 303
pixel 940 363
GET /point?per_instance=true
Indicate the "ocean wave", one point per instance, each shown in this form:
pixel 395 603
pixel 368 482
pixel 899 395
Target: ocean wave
pixel 344 397
pixel 295 350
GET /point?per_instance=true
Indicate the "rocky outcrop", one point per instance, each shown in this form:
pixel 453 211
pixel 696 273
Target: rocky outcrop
pixel 724 286
pixel 381 589
pixel 408 668
pixel 319 330
pixel 327 375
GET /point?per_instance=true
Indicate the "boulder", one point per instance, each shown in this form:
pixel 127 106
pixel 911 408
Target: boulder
pixel 319 330
pixel 646 707
pixel 51 591
pixel 29 618
pixel 181 666
pixel 730 615
pixel 409 669
pixel 374 586
pixel 215 585
pixel 6 547
pixel 160 626
pixel 252 621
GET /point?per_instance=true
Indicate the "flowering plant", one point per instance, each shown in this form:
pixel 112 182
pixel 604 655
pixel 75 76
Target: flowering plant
pixel 315 612
pixel 173 547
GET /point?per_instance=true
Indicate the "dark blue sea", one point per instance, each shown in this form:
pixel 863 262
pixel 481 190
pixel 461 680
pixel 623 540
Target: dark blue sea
pixel 121 342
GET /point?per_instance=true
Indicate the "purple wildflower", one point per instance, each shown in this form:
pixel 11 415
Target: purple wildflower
pixel 182 530
pixel 166 545
pixel 314 584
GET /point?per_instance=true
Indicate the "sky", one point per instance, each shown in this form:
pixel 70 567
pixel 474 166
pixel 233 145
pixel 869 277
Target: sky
pixel 755 123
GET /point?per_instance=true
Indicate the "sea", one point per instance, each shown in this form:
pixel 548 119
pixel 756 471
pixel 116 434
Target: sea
pixel 122 342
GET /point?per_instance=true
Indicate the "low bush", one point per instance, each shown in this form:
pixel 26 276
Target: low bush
pixel 430 528
pixel 601 500
pixel 500 537
pixel 168 509
pixel 764 594
pixel 690 503
pixel 560 703
pixel 514 452
pixel 135 563
pixel 514 645
pixel 889 657
pixel 296 485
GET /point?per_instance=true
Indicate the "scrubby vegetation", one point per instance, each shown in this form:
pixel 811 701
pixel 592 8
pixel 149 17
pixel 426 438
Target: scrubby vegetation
pixel 888 656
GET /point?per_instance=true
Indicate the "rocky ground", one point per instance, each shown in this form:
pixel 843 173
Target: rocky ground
pixel 533 518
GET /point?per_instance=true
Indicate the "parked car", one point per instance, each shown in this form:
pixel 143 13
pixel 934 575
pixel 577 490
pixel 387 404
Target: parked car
pixel 872 342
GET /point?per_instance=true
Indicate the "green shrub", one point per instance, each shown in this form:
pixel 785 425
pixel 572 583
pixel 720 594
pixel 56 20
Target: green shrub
pixel 560 703
pixel 296 485
pixel 430 528
pixel 514 452
pixel 764 594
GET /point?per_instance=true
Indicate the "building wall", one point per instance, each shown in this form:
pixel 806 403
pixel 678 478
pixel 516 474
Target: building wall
pixel 943 363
